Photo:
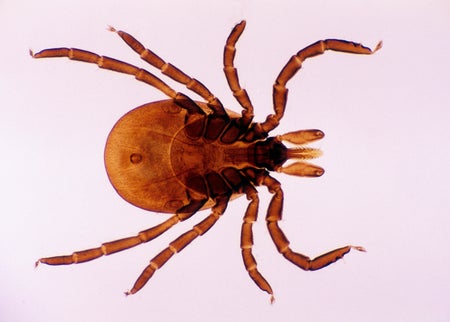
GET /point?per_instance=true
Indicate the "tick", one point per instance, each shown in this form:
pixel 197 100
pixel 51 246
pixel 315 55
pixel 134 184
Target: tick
pixel 180 156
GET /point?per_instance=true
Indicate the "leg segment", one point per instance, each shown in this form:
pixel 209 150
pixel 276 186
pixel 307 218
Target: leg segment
pixel 232 75
pixel 178 244
pixel 172 71
pixel 125 68
pixel 125 243
pixel 280 91
pixel 274 214
pixel 108 63
pixel 247 241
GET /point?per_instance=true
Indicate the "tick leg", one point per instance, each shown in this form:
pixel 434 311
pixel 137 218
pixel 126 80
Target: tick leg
pixel 232 75
pixel 172 71
pixel 115 246
pixel 124 243
pixel 108 63
pixel 247 241
pixel 117 66
pixel 274 214
pixel 178 244
pixel 280 91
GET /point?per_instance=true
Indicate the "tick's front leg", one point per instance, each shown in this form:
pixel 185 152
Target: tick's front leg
pixel 274 214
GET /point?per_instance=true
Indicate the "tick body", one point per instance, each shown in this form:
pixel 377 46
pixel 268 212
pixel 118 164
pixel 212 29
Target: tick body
pixel 179 156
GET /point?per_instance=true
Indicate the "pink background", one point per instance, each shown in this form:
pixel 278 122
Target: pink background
pixel 386 155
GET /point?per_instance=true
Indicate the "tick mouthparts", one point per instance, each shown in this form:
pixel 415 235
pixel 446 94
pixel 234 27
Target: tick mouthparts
pixel 302 169
pixel 302 136
pixel 303 153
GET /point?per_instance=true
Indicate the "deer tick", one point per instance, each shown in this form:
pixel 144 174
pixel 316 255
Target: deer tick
pixel 180 156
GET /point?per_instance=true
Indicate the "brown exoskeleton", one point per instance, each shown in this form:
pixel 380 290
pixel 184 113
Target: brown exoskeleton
pixel 180 156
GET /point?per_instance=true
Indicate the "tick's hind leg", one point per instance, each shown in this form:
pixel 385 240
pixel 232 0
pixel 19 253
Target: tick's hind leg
pixel 124 243
pixel 115 246
pixel 125 68
pixel 178 244
pixel 274 214
pixel 110 64
pixel 172 71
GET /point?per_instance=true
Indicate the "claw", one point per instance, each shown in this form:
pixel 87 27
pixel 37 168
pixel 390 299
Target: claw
pixel 378 46
pixel 359 248
pixel 111 28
